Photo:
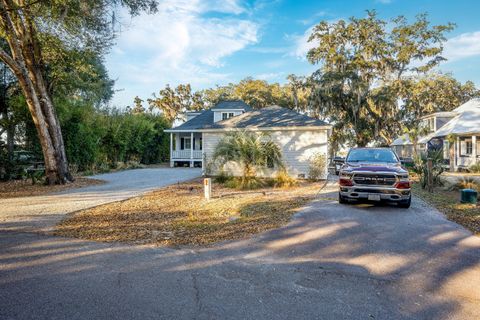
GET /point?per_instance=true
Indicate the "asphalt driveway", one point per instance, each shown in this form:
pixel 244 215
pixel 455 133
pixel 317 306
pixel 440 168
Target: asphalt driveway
pixel 331 262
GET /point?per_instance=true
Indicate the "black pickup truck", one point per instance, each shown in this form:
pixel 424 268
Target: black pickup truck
pixel 374 174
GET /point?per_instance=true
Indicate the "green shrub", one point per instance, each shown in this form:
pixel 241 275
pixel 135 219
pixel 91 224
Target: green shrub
pixel 317 166
pixel 420 167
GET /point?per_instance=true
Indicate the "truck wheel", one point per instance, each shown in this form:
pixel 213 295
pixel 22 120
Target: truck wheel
pixel 341 199
pixel 405 203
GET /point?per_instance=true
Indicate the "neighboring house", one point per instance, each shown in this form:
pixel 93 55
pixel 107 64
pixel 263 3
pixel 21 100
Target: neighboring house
pixel 299 136
pixel 431 123
pixel 465 126
pixel 403 147
pixel 462 122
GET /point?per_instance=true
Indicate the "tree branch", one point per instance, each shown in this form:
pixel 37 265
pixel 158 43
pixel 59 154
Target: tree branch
pixel 10 62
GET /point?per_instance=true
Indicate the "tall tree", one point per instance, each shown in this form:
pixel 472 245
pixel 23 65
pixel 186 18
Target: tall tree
pixel 137 106
pixel 174 102
pixel 30 29
pixel 299 90
pixel 363 62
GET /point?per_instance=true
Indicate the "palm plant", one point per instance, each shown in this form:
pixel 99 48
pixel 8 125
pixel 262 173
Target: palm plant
pixel 250 150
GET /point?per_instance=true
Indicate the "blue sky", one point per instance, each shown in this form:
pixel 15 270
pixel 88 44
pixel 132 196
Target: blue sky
pixel 206 42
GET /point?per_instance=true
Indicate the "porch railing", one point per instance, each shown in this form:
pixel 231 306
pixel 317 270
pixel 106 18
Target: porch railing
pixel 185 154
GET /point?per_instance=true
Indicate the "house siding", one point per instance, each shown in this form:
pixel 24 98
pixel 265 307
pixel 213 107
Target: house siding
pixel 297 147
pixel 217 115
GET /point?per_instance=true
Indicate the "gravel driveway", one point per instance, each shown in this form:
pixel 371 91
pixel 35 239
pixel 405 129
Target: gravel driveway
pixel 331 262
pixel 41 212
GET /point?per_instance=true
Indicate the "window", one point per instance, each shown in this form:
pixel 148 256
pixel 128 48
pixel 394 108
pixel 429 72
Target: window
pixel 468 147
pixel 372 155
pixel 227 115
pixel 201 144
pixel 185 144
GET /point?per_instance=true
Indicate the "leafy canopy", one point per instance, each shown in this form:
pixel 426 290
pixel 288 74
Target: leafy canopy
pixel 363 62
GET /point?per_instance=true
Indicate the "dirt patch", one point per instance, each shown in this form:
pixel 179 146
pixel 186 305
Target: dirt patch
pixel 24 188
pixel 178 215
pixel 448 202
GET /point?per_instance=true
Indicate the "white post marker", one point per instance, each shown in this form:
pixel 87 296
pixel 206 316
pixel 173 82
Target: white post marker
pixel 207 184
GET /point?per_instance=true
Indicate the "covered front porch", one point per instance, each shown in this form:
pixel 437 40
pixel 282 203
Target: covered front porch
pixel 467 151
pixel 186 149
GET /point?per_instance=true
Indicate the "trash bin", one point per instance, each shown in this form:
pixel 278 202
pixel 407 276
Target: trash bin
pixel 468 196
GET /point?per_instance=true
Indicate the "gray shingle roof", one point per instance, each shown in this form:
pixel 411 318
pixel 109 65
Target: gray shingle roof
pixel 269 117
pixel 231 104
pixel 199 122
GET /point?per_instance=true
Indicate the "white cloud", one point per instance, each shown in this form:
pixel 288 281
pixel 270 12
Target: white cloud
pixel 178 44
pixel 301 45
pixel 462 46
pixel 313 18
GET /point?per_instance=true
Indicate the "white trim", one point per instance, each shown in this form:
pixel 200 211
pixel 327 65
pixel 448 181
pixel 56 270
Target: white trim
pixel 292 128
pixel 474 148
pixel 228 110
pixel 171 149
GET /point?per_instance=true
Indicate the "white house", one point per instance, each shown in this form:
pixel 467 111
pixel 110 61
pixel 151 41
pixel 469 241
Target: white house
pixel 465 127
pixel 299 136
pixel 431 122
pixel 463 123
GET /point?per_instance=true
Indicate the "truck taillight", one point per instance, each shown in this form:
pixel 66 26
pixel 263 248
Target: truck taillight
pixel 345 182
pixel 403 185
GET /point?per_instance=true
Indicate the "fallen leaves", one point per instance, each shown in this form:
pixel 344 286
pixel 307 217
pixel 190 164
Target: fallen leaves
pixel 179 215
pixel 448 202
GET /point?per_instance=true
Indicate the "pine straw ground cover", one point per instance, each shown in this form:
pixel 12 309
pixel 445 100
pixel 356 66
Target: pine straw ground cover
pixel 25 188
pixel 178 215
pixel 448 202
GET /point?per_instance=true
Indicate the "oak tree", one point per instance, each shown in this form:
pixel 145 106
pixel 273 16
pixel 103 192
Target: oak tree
pixel 32 28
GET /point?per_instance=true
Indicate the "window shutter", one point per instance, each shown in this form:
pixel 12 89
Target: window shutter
pixel 182 144
pixel 463 147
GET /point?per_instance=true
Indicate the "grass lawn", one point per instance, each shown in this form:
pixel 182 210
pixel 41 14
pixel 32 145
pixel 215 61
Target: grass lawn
pixel 24 188
pixel 448 202
pixel 178 215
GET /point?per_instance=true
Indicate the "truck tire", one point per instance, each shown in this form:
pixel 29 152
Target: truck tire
pixel 405 203
pixel 341 199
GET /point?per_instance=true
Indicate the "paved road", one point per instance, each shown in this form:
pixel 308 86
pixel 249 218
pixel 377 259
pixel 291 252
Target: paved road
pixel 41 212
pixel 331 262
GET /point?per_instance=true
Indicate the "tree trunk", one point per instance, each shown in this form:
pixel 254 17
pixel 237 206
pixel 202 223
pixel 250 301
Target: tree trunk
pixel 26 64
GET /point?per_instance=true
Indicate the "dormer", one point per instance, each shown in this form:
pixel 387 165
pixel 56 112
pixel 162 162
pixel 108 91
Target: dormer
pixel 227 109
pixel 436 120
pixel 192 114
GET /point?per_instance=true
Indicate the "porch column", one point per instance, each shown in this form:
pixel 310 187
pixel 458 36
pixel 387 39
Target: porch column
pixel 171 150
pixel 203 157
pixel 474 149
pixel 457 153
pixel 191 150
